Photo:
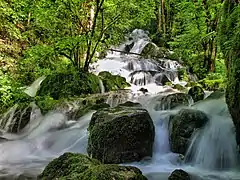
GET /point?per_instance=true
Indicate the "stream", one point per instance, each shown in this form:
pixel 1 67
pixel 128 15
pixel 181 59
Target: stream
pixel 213 148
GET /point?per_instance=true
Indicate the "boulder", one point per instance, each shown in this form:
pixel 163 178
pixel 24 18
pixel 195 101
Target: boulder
pixel 112 82
pixel 179 174
pixel 78 166
pixel 162 80
pixel 152 51
pixel 120 135
pixel 171 101
pixel 179 87
pixel 130 104
pixel 143 90
pixel 181 127
pixel 197 93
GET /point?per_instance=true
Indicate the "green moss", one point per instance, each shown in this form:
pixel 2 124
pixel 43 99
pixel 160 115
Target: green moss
pixel 197 93
pixel 121 134
pixel 108 172
pixel 112 82
pixel 179 87
pixel 182 126
pixel 66 164
pixel 69 84
pixel 213 85
pixel 70 166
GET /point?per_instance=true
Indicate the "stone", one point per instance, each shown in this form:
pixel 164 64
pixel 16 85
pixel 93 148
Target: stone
pixel 171 101
pixel 73 166
pixel 197 93
pixel 121 134
pixel 179 174
pixel 181 127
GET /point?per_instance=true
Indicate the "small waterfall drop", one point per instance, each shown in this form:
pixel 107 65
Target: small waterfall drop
pixel 102 88
pixel 214 146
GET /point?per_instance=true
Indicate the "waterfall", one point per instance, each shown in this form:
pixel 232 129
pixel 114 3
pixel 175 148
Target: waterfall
pixel 214 147
pixel 211 154
pixel 102 88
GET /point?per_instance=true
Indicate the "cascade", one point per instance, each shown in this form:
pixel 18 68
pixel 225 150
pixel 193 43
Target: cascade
pixel 211 155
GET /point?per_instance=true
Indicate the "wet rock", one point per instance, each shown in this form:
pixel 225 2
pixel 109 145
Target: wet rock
pixel 120 135
pixel 143 90
pixel 131 104
pixel 196 93
pixel 181 127
pixel 16 118
pixel 171 101
pixel 112 82
pixel 179 174
pixel 78 166
pixel 152 51
pixel 179 87
pixel 162 80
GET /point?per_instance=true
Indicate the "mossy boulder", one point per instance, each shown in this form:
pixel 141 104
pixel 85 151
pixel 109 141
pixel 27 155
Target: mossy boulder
pixel 179 174
pixel 152 51
pixel 67 164
pixel 73 166
pixel 131 104
pixel 179 87
pixel 171 101
pixel 69 84
pixel 197 93
pixel 121 135
pixel 181 127
pixel 162 80
pixel 112 82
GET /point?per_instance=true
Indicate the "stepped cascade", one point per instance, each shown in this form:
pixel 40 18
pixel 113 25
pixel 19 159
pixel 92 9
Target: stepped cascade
pixel 211 155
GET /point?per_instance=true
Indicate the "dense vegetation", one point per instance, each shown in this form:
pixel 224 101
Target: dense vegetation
pixel 60 38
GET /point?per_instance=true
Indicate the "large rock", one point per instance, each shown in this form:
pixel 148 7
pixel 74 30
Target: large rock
pixel 179 174
pixel 78 166
pixel 197 93
pixel 152 51
pixel 112 82
pixel 120 135
pixel 181 127
pixel 171 101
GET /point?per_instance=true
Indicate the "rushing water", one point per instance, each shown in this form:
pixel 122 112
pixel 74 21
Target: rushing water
pixel 211 155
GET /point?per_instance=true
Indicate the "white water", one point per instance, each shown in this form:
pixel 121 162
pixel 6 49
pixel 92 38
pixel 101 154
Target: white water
pixel 212 151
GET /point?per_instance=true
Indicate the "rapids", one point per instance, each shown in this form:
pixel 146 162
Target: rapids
pixel 212 154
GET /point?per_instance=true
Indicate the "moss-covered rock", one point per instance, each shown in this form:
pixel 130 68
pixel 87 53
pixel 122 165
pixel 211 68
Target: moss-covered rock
pixel 109 171
pixel 69 84
pixel 131 104
pixel 152 51
pixel 179 174
pixel 67 164
pixel 197 93
pixel 112 82
pixel 70 166
pixel 120 134
pixel 171 101
pixel 181 127
pixel 179 87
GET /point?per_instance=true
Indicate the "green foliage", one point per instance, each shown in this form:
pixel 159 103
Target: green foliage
pixel 69 84
pixel 11 93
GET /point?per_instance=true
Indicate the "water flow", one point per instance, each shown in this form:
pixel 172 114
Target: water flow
pixel 214 147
